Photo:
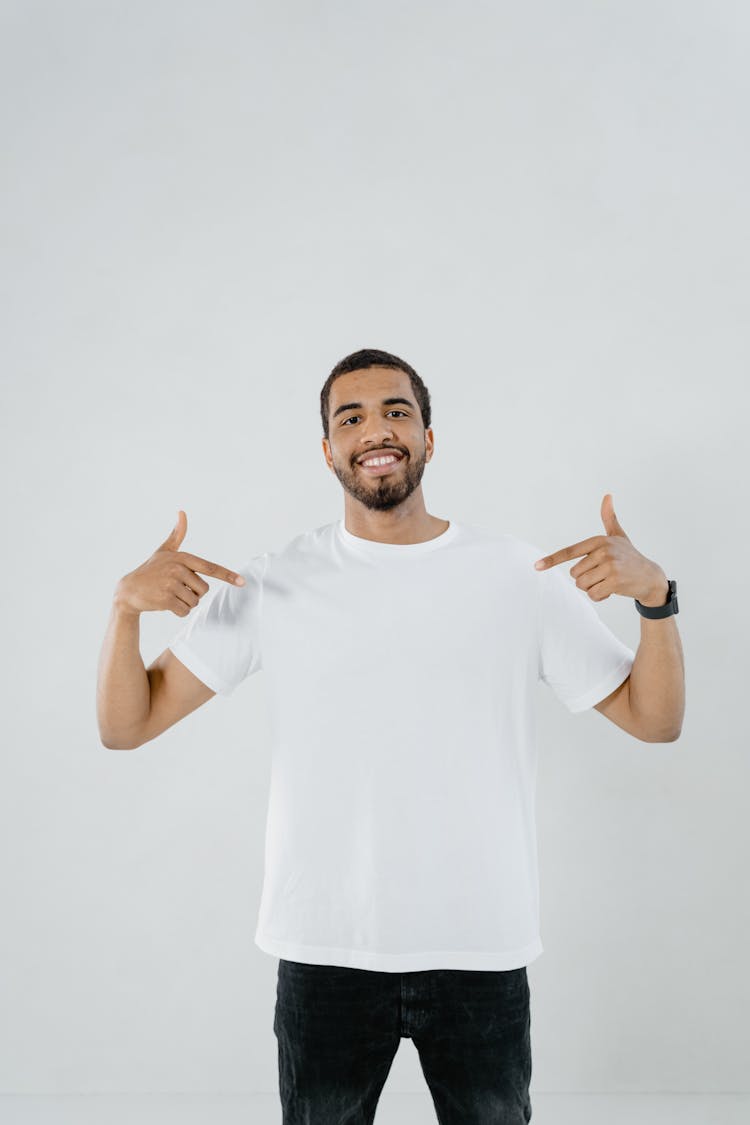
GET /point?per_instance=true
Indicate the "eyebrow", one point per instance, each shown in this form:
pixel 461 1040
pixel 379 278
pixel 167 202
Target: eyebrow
pixel 358 405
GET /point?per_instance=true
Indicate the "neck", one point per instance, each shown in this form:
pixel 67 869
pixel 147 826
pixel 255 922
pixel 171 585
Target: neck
pixel 399 525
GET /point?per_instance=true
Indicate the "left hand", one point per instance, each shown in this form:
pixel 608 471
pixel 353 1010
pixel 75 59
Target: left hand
pixel 612 565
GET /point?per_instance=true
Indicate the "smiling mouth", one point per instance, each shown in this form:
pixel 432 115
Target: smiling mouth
pixel 381 470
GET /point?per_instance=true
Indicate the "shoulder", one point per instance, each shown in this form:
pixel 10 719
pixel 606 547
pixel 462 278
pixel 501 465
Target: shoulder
pixel 503 543
pixel 301 549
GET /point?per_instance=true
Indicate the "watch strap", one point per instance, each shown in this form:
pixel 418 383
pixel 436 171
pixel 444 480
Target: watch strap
pixel 669 607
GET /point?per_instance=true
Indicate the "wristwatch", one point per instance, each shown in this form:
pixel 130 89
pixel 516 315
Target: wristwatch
pixel 670 606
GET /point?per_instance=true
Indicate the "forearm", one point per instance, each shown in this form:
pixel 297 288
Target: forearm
pixel 657 678
pixel 123 691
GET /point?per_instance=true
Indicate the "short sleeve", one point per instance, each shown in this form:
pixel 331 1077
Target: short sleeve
pixel 579 656
pixel 220 641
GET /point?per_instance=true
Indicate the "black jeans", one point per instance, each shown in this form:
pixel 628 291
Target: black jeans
pixel 338 1030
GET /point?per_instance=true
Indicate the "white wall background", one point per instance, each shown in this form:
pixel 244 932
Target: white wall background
pixel 543 208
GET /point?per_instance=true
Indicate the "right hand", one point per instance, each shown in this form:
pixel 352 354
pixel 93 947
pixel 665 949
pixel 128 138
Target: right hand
pixel 169 579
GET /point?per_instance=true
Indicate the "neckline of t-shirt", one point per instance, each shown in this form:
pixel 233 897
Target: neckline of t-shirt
pixel 395 550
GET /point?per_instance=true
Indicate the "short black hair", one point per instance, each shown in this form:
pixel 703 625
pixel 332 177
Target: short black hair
pixel 372 357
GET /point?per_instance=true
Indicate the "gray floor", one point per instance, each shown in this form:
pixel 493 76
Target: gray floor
pixel 393 1109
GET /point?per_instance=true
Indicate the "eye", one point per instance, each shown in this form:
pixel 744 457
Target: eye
pixel 349 419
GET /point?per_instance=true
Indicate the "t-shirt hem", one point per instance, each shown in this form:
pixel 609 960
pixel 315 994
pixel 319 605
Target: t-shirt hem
pixel 604 687
pixel 400 962
pixel 195 665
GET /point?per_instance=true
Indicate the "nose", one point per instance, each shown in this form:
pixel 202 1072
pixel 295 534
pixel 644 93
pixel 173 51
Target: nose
pixel 375 436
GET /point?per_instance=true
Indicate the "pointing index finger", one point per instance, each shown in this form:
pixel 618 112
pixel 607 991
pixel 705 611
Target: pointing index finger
pixel 213 570
pixel 575 551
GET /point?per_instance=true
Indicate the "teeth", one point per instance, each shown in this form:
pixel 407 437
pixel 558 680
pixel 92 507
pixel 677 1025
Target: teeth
pixel 380 460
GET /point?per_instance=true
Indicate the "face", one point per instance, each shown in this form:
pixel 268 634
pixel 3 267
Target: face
pixel 361 423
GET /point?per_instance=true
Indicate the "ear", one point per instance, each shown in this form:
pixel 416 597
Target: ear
pixel 429 443
pixel 327 453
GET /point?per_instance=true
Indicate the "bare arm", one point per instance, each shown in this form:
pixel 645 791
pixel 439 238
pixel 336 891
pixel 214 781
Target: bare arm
pixel 123 691
pixel 137 704
pixel 650 703
pixel 657 678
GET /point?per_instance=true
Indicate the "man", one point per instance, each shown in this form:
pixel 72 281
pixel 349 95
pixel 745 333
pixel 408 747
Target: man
pixel 402 653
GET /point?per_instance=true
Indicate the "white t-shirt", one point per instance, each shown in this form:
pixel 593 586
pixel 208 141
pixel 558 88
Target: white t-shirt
pixel 401 829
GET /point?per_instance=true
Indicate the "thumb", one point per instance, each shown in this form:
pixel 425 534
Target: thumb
pixel 176 535
pixel 612 525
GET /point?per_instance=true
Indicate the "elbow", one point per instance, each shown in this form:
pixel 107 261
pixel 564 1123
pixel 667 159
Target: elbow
pixel 668 731
pixel 670 736
pixel 115 744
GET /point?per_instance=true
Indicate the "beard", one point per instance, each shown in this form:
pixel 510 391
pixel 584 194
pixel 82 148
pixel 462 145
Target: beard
pixel 381 494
